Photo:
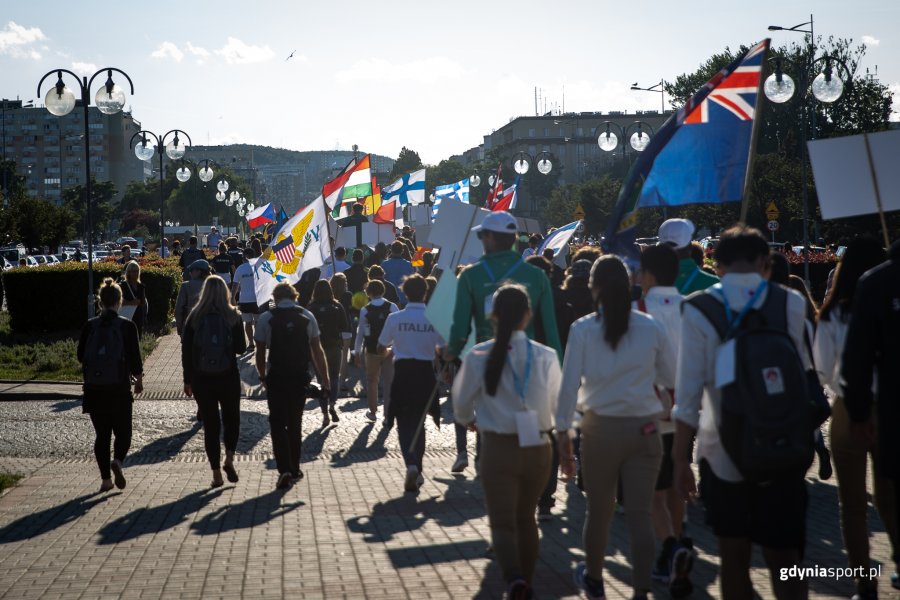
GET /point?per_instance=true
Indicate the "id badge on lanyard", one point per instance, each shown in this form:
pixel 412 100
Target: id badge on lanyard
pixel 526 419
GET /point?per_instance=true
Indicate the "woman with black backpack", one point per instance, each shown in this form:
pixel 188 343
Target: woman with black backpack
pixel 333 330
pixel 212 339
pixel 111 357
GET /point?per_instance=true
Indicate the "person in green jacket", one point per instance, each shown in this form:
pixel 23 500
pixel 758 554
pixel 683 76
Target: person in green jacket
pixel 691 278
pixel 475 293
pixel 479 281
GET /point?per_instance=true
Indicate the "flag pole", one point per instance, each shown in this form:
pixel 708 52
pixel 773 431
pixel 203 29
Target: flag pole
pixel 884 230
pixel 328 233
pixel 754 135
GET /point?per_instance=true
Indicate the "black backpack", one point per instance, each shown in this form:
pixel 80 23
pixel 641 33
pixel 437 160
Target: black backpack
pixel 104 354
pixel 289 354
pixel 213 351
pixel 767 413
pixel 376 316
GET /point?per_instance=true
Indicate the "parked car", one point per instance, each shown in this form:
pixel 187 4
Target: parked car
pixel 51 259
pixel 40 258
pixel 30 261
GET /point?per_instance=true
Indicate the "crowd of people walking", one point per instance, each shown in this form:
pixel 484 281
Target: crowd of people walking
pixel 617 378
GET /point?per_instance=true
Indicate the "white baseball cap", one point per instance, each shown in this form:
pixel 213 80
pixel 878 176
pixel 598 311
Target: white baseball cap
pixel 676 232
pixel 498 222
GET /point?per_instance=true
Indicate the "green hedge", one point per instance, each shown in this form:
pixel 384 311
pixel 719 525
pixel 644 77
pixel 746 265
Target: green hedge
pixel 53 298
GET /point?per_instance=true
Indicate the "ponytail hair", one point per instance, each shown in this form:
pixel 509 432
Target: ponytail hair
pixel 110 294
pixel 612 292
pixel 511 304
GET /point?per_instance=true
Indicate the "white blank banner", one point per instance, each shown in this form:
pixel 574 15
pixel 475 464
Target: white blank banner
pixel 844 177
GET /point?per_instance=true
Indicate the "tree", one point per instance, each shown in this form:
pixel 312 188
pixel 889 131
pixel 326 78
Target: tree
pixel 38 223
pixel 102 193
pixel 596 196
pixel 140 220
pixel 407 162
pixel 11 183
pixel 194 202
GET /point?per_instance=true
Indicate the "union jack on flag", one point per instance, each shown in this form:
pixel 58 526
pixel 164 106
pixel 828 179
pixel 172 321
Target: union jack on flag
pixel 285 249
pixel 700 155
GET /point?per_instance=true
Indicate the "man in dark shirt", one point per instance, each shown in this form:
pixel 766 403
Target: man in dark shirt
pixel 356 274
pixel 190 255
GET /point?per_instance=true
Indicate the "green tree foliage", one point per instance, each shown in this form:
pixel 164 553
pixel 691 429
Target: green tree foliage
pixel 102 193
pixel 194 202
pixel 13 182
pixel 138 222
pixel 407 162
pixel 36 223
pixel 596 196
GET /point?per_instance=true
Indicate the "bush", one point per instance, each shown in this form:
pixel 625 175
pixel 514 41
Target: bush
pixel 53 298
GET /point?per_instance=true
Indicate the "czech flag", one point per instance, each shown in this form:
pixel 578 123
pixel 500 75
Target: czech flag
pixel 260 216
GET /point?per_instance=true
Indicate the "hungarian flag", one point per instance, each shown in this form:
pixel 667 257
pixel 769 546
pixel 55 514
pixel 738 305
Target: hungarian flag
pixel 260 216
pixel 347 188
pixel 507 199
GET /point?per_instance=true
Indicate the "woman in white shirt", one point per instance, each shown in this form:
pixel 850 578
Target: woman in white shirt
pixel 612 360
pixel 850 457
pixel 509 386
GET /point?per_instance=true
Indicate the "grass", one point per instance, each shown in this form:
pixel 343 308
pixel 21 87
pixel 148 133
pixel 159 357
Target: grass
pixel 8 480
pixel 49 357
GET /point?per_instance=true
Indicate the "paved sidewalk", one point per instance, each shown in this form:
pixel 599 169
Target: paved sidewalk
pixel 346 531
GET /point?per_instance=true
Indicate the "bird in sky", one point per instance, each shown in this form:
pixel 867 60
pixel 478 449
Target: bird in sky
pixel 291 56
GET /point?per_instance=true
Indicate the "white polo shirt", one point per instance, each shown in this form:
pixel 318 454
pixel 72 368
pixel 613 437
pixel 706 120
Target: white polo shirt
pixel 410 334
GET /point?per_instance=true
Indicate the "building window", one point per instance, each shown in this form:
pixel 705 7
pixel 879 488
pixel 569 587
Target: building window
pixel 531 133
pixel 546 132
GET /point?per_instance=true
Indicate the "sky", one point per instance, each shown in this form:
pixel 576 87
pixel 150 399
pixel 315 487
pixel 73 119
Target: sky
pixel 433 76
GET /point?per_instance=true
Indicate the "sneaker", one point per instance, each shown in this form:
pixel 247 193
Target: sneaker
pixel 592 588
pixel 682 562
pixel 544 514
pixel 895 580
pixel 411 484
pixel 370 416
pixel 295 477
pixel 460 464
pixel 284 482
pixel 334 415
pixel 420 481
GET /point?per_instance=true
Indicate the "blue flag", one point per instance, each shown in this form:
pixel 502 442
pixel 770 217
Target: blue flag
pixel 700 154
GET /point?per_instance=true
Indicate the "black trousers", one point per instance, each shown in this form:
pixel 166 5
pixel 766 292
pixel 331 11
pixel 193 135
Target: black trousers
pixel 211 392
pixel 286 400
pixel 107 423
pixel 407 424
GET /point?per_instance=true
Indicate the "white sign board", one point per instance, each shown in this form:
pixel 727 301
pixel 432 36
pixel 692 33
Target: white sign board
pixel 843 174
pixel 452 233
pixel 420 214
pixel 346 238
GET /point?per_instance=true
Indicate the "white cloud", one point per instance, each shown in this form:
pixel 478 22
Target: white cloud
pixel 427 70
pixel 237 52
pixel 16 41
pixel 227 139
pixel 199 52
pixel 868 40
pixel 83 68
pixel 168 50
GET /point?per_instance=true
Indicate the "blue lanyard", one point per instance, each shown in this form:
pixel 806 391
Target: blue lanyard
pixel 687 283
pixel 490 272
pixel 521 385
pixel 733 323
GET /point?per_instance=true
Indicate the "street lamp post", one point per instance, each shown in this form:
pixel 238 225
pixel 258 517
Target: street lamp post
pixel 174 150
pixel 204 173
pixel 522 164
pixel 609 141
pixel 60 101
pixel 653 88
pixel 826 87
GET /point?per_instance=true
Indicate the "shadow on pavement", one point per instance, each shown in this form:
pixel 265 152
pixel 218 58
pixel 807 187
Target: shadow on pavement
pixel 164 448
pixel 47 520
pixel 155 519
pixel 254 427
pixel 248 514
pixel 360 450
pixel 64 405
